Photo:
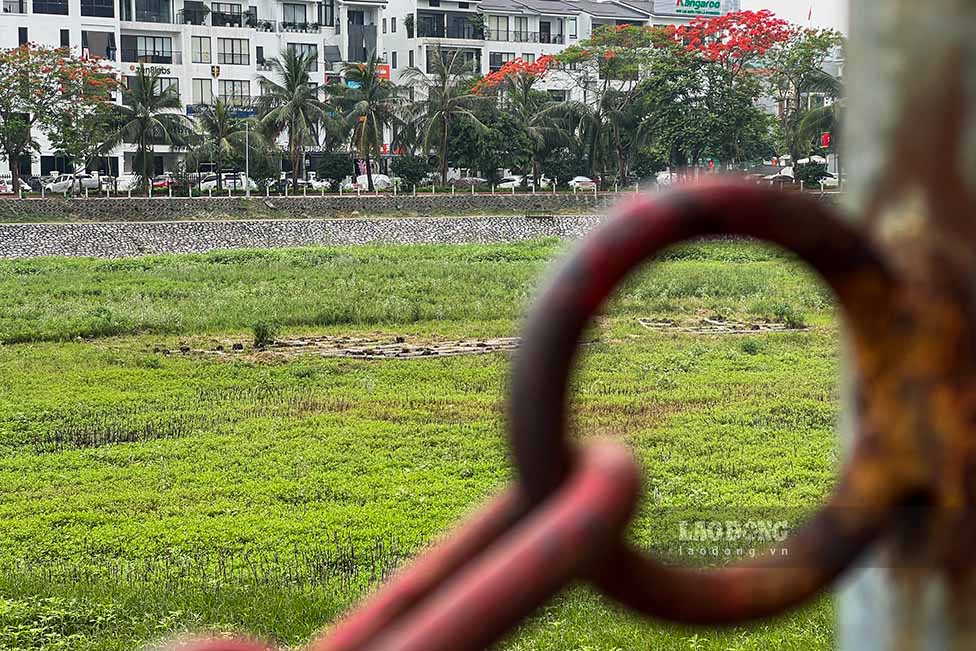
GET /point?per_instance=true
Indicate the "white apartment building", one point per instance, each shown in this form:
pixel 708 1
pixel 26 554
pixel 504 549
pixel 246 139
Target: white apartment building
pixel 210 49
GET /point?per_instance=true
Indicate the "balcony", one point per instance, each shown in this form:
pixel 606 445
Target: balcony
pixel 15 6
pixel 240 106
pixel 515 36
pixel 469 32
pixel 144 56
pixel 192 16
pixel 145 16
pixel 306 28
pixel 228 19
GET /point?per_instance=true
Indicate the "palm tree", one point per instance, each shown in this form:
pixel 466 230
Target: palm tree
pixel 291 104
pixel 445 99
pixel 372 104
pixel 221 135
pixel 148 116
pixel 826 118
pixel 538 117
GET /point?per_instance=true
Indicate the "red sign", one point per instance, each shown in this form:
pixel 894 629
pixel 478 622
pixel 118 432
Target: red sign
pixel 825 140
pixel 383 71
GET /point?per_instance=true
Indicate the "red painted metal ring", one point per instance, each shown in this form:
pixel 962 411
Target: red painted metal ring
pixel 868 491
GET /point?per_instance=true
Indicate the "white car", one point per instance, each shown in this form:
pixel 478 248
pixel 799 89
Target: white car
pixel 380 181
pixel 582 183
pixel 509 182
pixel 125 183
pixel 229 181
pixel 63 183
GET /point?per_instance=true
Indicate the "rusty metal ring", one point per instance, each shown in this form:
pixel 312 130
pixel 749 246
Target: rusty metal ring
pixel 870 487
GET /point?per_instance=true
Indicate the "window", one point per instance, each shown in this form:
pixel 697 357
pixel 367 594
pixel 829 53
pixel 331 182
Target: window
pixel 310 50
pixel 462 5
pixel 293 13
pixel 521 29
pixel 259 54
pixel 200 49
pixel 202 91
pixel 393 61
pixel 410 58
pixel 65 38
pixel 235 92
pixel 558 95
pixel 22 36
pixel 234 51
pixel 162 84
pixel 572 29
pixel 166 83
pixel 98 44
pixel 384 25
pixel 393 25
pixel 433 3
pixel 98 8
pixel 148 49
pixel 224 14
pixel 498 28
pixel 383 59
pixel 528 58
pixel 497 59
pixel 57 7
pixel 327 10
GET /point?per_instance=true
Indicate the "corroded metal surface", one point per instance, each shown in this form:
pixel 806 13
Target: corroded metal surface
pixel 911 152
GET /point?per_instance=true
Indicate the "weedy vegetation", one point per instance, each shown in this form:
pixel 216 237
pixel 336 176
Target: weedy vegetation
pixel 148 492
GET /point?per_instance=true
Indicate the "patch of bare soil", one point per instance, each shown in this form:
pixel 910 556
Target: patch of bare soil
pixel 360 348
pixel 718 327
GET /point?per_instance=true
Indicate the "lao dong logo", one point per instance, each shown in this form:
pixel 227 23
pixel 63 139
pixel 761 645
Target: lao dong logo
pixel 699 7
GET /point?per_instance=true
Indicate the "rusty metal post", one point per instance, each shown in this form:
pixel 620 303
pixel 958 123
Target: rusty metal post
pixel 911 153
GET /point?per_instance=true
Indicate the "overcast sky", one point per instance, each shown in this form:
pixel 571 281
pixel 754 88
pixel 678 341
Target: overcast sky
pixel 826 13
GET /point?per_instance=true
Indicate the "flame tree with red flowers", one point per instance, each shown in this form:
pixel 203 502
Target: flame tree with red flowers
pixel 736 40
pixel 42 85
pixel 514 84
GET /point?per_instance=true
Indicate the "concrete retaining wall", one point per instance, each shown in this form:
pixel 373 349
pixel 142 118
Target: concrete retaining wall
pixel 123 239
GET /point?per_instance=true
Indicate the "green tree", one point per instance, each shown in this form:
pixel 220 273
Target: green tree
pixel 220 136
pixel 607 68
pixel 794 68
pixel 334 166
pixel 149 115
pixel 372 103
pixel 412 170
pixel 290 104
pixel 55 91
pixel 445 101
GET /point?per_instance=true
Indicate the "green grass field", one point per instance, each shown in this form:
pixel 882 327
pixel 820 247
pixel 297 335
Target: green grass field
pixel 262 496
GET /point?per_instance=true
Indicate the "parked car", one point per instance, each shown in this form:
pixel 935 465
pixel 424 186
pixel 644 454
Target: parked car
pixel 468 181
pixel 509 182
pixel 125 182
pixel 163 181
pixel 62 183
pixel 380 181
pixel 582 183
pixel 229 181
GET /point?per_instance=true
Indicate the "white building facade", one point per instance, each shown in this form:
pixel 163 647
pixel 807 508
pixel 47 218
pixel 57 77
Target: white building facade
pixel 209 49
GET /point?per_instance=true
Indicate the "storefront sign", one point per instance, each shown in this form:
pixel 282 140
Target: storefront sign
pixel 689 7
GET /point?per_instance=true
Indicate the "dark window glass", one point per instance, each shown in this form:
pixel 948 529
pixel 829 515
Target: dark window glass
pixel 22 35
pixel 65 38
